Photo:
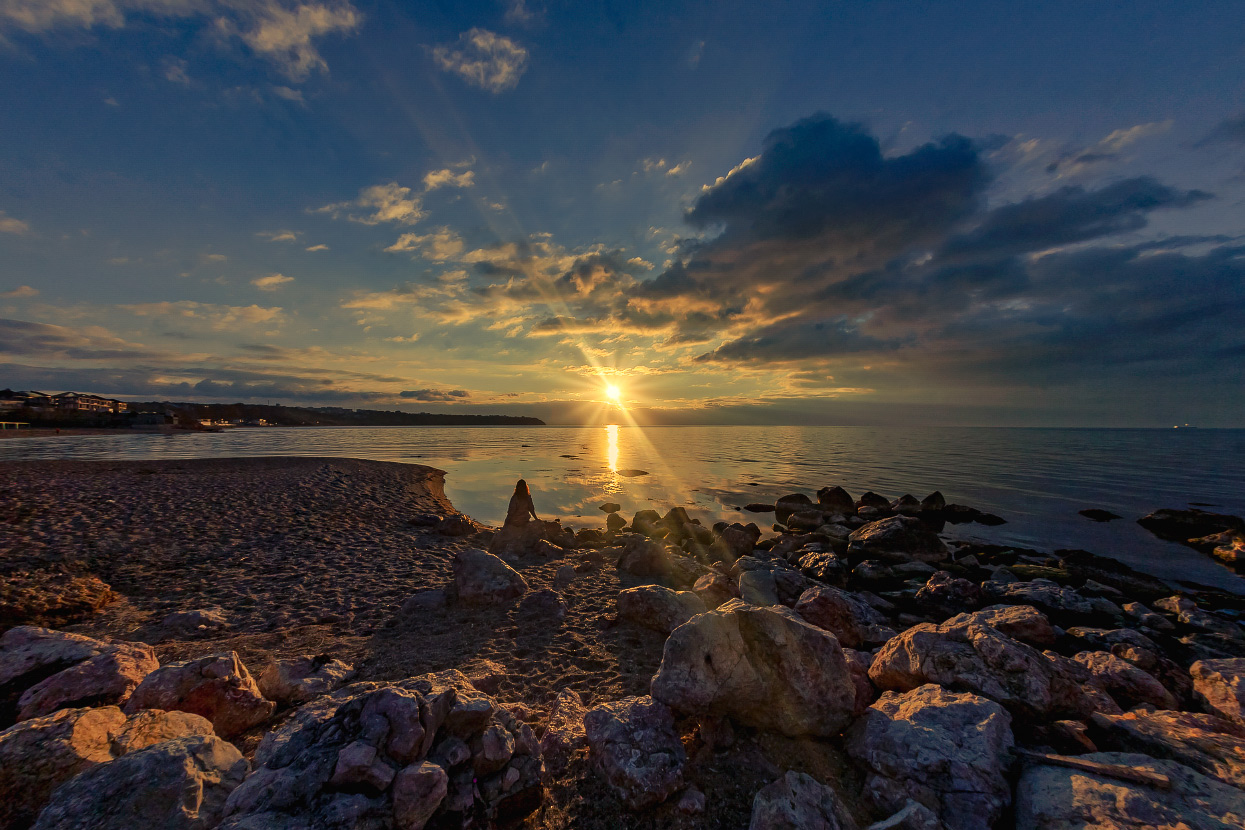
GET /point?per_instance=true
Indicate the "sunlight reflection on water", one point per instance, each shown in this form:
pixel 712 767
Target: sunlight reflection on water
pixel 1037 479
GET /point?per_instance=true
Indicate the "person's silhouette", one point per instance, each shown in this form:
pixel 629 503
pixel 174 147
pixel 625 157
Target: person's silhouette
pixel 520 506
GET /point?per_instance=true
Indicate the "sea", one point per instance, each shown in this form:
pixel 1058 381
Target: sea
pixel 1036 479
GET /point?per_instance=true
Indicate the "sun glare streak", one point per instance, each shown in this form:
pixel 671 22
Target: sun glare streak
pixel 611 436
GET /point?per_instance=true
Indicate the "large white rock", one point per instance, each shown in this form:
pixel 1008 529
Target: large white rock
pixel 299 679
pixel 764 667
pixel 633 743
pixel 852 621
pixel 484 579
pixel 945 750
pixel 218 687
pixel 658 608
pixel 1220 686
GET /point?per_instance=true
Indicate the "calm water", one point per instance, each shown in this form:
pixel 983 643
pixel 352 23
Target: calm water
pixel 1037 479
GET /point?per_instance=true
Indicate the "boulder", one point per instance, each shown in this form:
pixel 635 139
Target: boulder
pixel 947 751
pixel 1183 525
pixel 1186 611
pixel 367 750
pixel 199 619
pixel 1055 798
pixel 858 663
pixel 1127 684
pixel 1043 594
pixel 715 589
pixel 737 541
pixel 824 567
pixel 525 539
pixel 946 594
pixel 38 755
pixel 483 579
pixel 564 733
pixel 641 556
pixel 758 587
pixel 850 619
pixel 1146 617
pixel 296 680
pixel 836 500
pixel 1020 622
pixel 610 507
pixel 615 522
pixel 544 603
pixel 1210 745
pixel 632 742
pixel 933 503
pixel 29 654
pixel 105 679
pixel 906 505
pixel 872 499
pixel 897 539
pixel 798 802
pixel 969 656
pixel 1081 564
pixel 49 598
pixel 793 503
pixel 1220 687
pixel 914 816
pixel 424 601
pixel 218 687
pixel 658 608
pixel 174 785
pixel 456 525
pixel 763 667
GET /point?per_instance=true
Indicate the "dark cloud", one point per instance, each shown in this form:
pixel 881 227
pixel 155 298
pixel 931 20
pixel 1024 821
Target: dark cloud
pixel 433 395
pixel 20 338
pixel 1231 129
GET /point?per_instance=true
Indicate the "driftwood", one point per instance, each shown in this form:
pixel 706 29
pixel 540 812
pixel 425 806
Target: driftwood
pixel 1119 771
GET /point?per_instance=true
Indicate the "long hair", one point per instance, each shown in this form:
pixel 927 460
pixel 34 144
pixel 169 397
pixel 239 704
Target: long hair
pixel 520 489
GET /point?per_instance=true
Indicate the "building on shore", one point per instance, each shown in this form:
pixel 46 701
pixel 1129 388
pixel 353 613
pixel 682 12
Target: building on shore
pixel 62 402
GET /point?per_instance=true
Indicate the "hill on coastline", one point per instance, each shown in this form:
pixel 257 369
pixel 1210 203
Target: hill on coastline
pixel 330 415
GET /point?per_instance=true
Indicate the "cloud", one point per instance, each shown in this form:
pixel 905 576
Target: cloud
pixel 279 236
pixel 519 12
pixel 386 202
pixel 216 257
pixel 175 71
pixel 1230 130
pixel 283 32
pixel 439 246
pixel 24 339
pixel 314 248
pixel 271 282
pixel 288 94
pixel 10 225
pixel 1108 149
pixel 695 53
pixel 448 178
pixel 210 316
pixel 484 59
pixel 19 292
pixel 430 395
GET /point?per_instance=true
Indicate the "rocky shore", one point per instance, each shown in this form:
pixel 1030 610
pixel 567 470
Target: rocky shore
pixel 257 644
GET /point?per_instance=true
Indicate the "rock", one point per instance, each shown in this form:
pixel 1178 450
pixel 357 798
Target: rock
pixel 105 679
pixel 418 790
pixel 947 594
pixel 483 579
pixel 545 603
pixel 424 601
pixel 1055 798
pixel 29 654
pixel 858 663
pixel 1186 611
pixel 933 503
pixel 1098 515
pixel 564 576
pixel 850 619
pixel 455 526
pixel 762 667
pixel 614 522
pixel 1144 616
pixel 491 760
pixel 806 520
pixel 714 589
pixel 425 520
pixel 758 587
pixel 897 539
pixel 526 539
pixel 798 802
pixel 297 680
pixel 914 816
pixel 1183 525
pixel 658 608
pixel 218 687
pixel 1208 744
pixel 758 507
pixel 824 567
pixel 836 500
pixel 692 802
pixel 945 750
pixel 39 754
pixel 872 570
pixel 49 598
pixel 610 507
pixel 187 622
pixel 872 499
pixel 1127 684
pixel 564 733
pixel 485 675
pixel 1084 565
pixel 1047 596
pixel 172 785
pixel 1220 687
pixel 738 541
pixel 906 505
pixel 633 743
pixel 641 556
pixel 967 655
pixel 794 503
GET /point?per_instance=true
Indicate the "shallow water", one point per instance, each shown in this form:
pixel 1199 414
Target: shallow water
pixel 1036 479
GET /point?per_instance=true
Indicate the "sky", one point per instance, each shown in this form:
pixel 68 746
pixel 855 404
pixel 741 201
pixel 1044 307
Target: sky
pixel 976 213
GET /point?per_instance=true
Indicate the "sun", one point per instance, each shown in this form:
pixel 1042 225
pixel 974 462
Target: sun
pixel 613 393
